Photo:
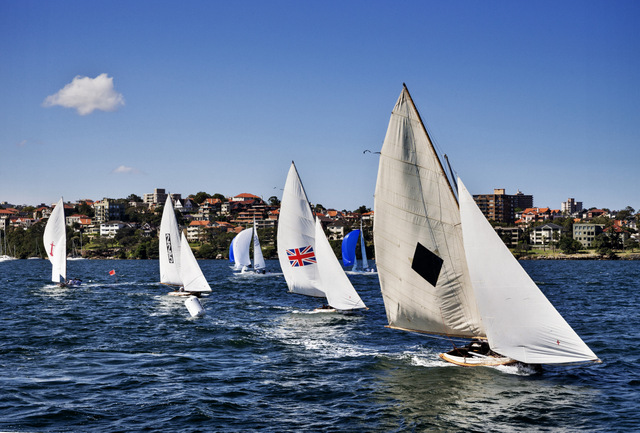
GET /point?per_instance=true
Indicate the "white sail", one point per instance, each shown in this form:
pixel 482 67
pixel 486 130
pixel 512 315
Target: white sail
pixel 169 246
pixel 519 320
pixel 241 247
pixel 363 250
pixel 296 239
pixel 191 275
pixel 258 259
pixel 418 241
pixel 55 243
pixel 336 285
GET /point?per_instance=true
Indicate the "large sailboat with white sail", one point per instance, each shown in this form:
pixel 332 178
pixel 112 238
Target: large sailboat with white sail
pixel 308 262
pixel 178 265
pixel 443 270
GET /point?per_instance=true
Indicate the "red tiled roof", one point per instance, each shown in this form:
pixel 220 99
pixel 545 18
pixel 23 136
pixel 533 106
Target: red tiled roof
pixel 246 195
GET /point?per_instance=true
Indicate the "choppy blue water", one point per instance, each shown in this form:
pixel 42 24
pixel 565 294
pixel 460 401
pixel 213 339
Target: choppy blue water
pixel 125 357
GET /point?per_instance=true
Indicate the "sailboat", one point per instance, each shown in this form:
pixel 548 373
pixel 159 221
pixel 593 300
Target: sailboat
pixel 74 250
pixel 55 244
pixel 4 256
pixel 349 245
pixel 308 262
pixel 239 251
pixel 443 269
pixel 178 265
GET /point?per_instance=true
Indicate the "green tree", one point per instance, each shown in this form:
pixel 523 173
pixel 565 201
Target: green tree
pixel 200 197
pixel 569 245
pixel 274 201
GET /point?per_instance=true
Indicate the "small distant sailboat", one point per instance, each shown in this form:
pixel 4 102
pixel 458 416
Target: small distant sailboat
pixel 178 265
pixel 308 262
pixel 444 270
pixel 349 244
pixel 74 250
pixel 55 244
pixel 4 248
pixel 240 251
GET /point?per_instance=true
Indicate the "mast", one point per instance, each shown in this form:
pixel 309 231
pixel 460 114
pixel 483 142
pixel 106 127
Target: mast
pixel 430 141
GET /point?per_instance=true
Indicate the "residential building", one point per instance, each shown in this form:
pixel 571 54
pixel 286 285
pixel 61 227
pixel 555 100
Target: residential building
pixel 509 235
pixel 108 210
pixel 500 207
pixel 585 233
pixel 544 235
pixel 109 229
pixel 158 196
pixel 246 197
pixel 198 231
pixel 571 206
pixel 337 230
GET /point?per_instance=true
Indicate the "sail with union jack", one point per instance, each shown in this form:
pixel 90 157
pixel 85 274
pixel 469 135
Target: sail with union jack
pixel 302 256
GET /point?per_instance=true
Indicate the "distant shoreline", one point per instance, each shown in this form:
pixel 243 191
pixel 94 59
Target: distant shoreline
pixel 585 256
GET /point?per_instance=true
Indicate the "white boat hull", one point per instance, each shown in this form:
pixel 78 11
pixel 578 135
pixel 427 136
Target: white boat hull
pixel 476 360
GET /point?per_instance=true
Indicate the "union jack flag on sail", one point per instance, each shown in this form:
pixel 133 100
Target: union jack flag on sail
pixel 301 256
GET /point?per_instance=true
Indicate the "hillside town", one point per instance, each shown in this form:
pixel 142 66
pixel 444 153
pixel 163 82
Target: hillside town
pixel 127 228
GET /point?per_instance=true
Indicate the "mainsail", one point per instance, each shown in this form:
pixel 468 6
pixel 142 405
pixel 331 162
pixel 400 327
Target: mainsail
pixel 418 241
pixel 363 249
pixel 296 239
pixel 258 258
pixel 169 250
pixel 55 243
pixel 519 320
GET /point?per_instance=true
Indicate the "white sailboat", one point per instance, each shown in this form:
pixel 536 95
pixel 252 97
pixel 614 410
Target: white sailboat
pixel 240 251
pixel 443 269
pixel 178 265
pixel 55 244
pixel 259 265
pixel 74 251
pixel 308 263
pixel 4 248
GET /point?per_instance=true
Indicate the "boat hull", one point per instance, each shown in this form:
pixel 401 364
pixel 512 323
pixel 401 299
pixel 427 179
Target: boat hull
pixel 477 361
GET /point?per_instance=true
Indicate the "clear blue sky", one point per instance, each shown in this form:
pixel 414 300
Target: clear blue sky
pixel 220 96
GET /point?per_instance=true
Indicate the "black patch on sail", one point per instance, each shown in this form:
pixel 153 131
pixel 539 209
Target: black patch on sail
pixel 427 264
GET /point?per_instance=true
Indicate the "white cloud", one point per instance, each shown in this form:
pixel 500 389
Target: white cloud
pixel 87 94
pixel 22 143
pixel 123 169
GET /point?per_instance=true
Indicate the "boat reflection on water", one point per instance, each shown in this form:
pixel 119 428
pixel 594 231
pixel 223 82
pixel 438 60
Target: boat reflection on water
pixel 433 395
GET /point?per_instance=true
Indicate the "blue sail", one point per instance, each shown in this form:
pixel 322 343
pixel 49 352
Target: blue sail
pixel 349 244
pixel 231 257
